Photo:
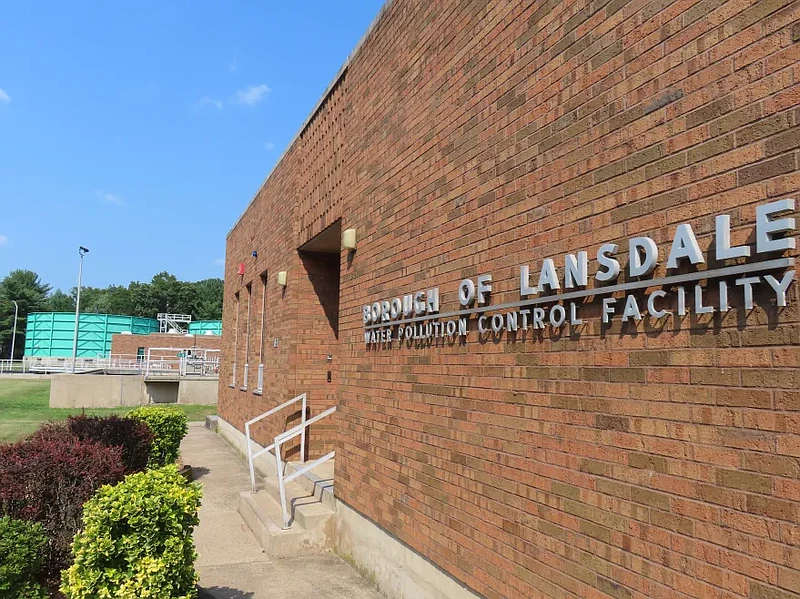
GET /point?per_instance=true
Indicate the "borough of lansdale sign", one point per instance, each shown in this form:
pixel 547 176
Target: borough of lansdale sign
pixel 550 299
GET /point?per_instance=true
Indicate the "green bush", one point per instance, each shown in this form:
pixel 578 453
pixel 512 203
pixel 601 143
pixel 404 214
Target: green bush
pixel 169 428
pixel 22 546
pixel 137 540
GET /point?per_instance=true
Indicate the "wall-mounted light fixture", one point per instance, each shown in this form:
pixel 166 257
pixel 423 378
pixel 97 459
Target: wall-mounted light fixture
pixel 349 239
pixel 282 278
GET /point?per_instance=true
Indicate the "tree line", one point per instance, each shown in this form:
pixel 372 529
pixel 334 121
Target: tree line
pixel 164 293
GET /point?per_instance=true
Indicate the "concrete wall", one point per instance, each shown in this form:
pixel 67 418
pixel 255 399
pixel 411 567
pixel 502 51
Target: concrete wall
pixel 264 464
pixel 116 390
pixel 399 571
pixel 96 391
pixel 161 391
pixel 198 391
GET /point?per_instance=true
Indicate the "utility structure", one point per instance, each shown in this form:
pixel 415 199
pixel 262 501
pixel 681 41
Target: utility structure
pixel 82 251
pixel 173 323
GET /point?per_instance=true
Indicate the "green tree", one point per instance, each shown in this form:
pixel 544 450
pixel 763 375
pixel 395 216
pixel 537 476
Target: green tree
pixel 209 299
pixel 165 293
pixel 140 299
pixel 115 299
pixel 30 292
pixel 60 302
pixel 90 297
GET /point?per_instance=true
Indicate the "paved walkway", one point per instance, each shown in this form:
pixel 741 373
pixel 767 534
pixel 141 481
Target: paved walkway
pixel 231 563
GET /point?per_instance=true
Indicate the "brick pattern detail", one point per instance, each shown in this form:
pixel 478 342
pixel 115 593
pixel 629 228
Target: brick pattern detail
pixel 648 461
pixel 320 181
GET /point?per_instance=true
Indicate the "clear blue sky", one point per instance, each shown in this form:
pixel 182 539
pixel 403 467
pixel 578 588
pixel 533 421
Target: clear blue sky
pixel 142 129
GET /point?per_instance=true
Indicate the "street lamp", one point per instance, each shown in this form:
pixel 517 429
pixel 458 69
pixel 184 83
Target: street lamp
pixel 82 251
pixel 14 335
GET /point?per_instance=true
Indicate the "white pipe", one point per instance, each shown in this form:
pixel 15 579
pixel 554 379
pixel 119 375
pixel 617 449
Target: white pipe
pixel 303 434
pixel 250 458
pixel 281 486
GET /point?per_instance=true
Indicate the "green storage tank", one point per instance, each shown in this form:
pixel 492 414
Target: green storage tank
pixel 51 333
pixel 205 327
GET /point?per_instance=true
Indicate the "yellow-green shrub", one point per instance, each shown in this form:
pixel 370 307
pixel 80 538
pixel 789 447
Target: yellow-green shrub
pixel 168 426
pixel 21 546
pixel 137 540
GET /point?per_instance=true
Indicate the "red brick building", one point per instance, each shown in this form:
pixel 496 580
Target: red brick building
pixel 613 447
pixel 133 345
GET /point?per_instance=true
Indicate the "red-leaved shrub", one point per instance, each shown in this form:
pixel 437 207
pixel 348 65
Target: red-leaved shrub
pixel 133 436
pixel 47 478
pixel 55 430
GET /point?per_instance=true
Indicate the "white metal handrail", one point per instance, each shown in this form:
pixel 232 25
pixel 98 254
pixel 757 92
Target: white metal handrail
pixel 13 366
pixel 300 429
pixel 191 361
pixel 202 362
pixel 252 456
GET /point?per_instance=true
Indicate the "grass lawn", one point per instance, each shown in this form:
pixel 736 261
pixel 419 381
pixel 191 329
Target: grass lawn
pixel 24 405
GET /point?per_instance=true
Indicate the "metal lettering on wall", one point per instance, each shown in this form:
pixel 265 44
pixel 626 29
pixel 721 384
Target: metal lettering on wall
pixel 550 302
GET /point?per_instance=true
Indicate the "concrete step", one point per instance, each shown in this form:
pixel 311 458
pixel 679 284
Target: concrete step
pixel 274 541
pixel 317 482
pixel 305 508
pixel 311 529
pixel 311 519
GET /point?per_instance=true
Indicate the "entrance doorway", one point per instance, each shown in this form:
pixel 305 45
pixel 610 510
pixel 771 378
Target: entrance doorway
pixel 318 337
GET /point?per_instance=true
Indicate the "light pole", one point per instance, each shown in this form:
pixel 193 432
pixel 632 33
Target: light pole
pixel 14 334
pixel 82 251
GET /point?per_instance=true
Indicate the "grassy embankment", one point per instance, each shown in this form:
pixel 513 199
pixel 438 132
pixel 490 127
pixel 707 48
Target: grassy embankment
pixel 24 405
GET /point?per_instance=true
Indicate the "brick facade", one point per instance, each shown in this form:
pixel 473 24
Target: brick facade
pixel 640 460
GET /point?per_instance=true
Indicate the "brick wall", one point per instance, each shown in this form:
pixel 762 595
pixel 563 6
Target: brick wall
pixel 657 460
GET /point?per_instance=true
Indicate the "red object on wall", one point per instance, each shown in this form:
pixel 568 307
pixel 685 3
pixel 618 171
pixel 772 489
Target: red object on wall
pixel 241 268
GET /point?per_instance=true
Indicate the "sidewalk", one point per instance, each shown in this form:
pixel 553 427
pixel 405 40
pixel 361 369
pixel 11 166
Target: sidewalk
pixel 231 563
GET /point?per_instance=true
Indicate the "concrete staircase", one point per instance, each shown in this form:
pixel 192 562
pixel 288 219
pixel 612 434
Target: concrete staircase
pixel 309 499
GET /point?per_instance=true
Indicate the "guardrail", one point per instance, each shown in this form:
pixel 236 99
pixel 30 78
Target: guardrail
pixel 187 361
pixel 298 430
pixel 252 456
pixel 49 364
pixel 9 366
pixel 200 363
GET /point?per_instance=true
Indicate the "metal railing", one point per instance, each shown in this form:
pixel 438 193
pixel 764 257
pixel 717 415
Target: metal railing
pixel 8 366
pixel 172 321
pixel 252 456
pixel 298 430
pixel 50 364
pixel 172 361
pixel 203 363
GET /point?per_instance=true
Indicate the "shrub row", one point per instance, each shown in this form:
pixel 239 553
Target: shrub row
pixel 47 480
pixel 48 477
pixel 133 436
pixel 169 427
pixel 22 545
pixel 136 540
